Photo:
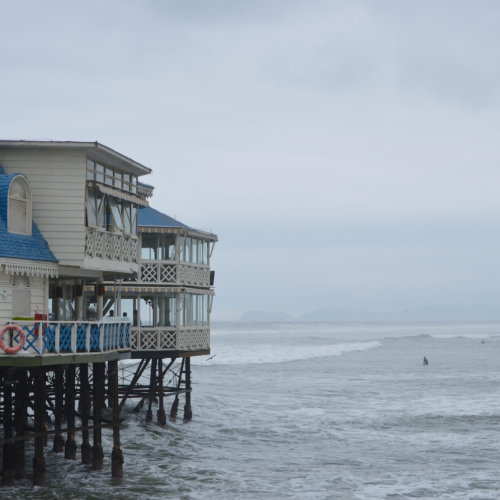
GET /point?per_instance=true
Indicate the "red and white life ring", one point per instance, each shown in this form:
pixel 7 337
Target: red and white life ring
pixel 22 339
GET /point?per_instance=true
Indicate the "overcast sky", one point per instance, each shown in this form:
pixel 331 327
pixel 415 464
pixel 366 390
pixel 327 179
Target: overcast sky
pixel 346 153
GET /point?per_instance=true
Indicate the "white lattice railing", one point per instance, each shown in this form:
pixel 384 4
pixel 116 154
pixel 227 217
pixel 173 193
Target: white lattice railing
pixel 104 245
pixel 44 338
pixel 193 275
pixel 167 338
pixel 158 272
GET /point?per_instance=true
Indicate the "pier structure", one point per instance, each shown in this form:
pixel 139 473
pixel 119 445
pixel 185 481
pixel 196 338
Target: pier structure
pixel 102 300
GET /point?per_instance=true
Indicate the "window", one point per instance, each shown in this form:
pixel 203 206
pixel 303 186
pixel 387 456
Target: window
pixel 158 310
pixel 158 247
pixel 111 176
pixel 19 208
pixel 187 250
pixel 194 248
pixel 21 295
pixel 204 252
pixel 109 213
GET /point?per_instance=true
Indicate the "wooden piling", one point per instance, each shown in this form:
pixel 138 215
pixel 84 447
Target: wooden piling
pixel 97 451
pixel 58 412
pixel 70 445
pixel 21 413
pixel 9 468
pixel 152 391
pixel 85 410
pixel 39 396
pixel 188 413
pixel 161 415
pixel 116 455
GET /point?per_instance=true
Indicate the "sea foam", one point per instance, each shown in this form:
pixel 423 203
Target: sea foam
pixel 259 354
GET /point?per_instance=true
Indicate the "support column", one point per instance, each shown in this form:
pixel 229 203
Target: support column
pixel 78 300
pixel 161 415
pixel 85 410
pixel 152 391
pixel 175 404
pixel 100 298
pixel 9 468
pixel 46 295
pixel 97 453
pixel 58 412
pixel 39 461
pixel 20 420
pixel 188 414
pixel 70 445
pixel 117 455
pixel 58 295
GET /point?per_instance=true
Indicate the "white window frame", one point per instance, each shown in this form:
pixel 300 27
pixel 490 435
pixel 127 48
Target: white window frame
pixel 29 205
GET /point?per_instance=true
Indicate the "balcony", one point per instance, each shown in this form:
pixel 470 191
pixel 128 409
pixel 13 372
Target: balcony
pixel 170 338
pixel 73 338
pixel 180 274
pixel 102 244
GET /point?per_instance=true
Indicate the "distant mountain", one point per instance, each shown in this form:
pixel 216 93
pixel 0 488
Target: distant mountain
pixel 435 313
pixel 252 316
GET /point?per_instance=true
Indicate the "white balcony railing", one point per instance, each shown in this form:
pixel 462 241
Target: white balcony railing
pixel 192 274
pixel 103 245
pixel 181 274
pixel 69 337
pixel 168 338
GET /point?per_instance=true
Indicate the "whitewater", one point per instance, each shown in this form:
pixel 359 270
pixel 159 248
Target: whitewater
pixel 316 411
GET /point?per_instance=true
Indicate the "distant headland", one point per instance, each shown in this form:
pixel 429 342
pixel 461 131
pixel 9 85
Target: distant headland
pixel 480 313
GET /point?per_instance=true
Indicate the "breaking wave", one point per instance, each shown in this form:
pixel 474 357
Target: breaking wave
pixel 261 354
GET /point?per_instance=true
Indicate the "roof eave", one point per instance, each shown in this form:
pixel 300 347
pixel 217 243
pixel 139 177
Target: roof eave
pixel 94 150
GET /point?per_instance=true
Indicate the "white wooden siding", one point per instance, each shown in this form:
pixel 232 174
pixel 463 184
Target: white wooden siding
pixel 57 180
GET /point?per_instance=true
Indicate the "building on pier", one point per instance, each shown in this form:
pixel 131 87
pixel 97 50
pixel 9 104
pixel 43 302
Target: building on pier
pixel 92 275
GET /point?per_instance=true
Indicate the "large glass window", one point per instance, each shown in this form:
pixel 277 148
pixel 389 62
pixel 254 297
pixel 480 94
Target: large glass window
pixel 115 207
pixel 205 310
pixel 109 213
pixel 204 252
pixel 91 208
pixel 188 312
pixel 133 221
pixel 187 250
pixel 158 310
pixel 111 176
pixel 194 250
pixel 149 246
pixel 158 246
pixel 182 319
pixel 166 246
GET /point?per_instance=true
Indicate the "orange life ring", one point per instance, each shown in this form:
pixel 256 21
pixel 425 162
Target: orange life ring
pixel 22 339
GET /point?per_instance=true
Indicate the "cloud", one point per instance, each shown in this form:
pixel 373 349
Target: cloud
pixel 306 134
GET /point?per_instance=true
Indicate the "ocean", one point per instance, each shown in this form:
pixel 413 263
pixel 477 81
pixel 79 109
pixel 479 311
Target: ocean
pixel 315 411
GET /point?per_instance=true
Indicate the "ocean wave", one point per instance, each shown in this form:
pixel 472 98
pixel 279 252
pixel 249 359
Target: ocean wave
pixel 255 355
pixel 463 335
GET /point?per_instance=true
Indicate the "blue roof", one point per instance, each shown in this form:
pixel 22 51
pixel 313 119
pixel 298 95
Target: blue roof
pixel 146 185
pixel 150 217
pixel 20 246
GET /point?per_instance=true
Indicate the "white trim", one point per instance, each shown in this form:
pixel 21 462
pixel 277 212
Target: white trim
pixel 33 269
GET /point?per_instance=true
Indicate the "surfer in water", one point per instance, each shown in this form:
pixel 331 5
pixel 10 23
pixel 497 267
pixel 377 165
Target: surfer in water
pixel 425 361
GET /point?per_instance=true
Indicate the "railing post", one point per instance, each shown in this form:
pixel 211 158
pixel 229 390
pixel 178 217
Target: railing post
pixel 39 340
pixel 57 333
pixel 88 334
pixel 101 337
pixel 74 333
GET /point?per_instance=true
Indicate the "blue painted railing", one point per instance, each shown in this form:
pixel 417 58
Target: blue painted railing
pixel 71 337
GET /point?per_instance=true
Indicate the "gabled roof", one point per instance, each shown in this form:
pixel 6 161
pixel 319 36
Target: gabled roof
pixel 20 246
pixel 153 221
pixel 153 218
